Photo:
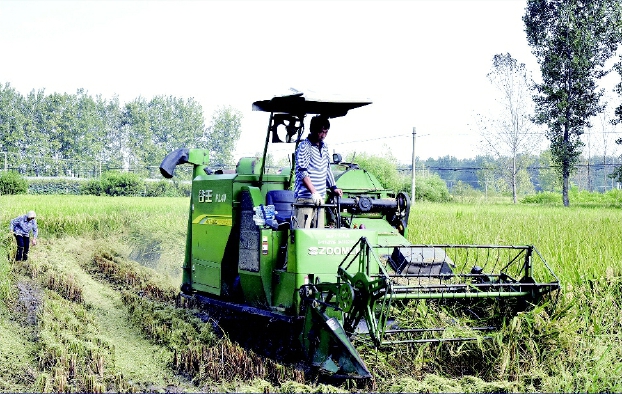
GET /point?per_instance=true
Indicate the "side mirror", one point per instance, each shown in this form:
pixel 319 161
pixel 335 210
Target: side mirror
pixel 336 158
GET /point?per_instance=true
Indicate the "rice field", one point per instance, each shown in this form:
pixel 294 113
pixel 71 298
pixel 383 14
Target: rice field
pixel 580 244
pixel 573 345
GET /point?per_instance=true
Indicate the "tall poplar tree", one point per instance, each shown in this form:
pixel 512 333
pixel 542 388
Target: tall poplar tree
pixel 508 134
pixel 617 171
pixel 572 40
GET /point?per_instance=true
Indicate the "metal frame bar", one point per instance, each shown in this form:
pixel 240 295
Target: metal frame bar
pixel 498 284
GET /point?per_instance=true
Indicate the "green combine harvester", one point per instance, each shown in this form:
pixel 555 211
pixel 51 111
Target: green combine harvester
pixel 246 256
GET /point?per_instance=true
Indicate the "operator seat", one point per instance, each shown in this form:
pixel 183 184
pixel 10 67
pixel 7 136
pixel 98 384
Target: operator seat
pixel 283 201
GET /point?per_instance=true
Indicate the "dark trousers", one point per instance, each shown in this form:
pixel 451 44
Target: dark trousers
pixel 23 244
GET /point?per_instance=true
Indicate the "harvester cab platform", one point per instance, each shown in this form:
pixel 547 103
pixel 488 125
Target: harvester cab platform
pixel 246 254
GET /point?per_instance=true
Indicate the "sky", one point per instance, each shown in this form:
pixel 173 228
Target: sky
pixel 423 64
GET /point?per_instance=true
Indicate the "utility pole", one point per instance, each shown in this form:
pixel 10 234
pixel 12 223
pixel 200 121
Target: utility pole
pixel 412 198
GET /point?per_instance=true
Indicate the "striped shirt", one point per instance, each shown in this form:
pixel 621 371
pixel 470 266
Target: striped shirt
pixel 22 226
pixel 313 161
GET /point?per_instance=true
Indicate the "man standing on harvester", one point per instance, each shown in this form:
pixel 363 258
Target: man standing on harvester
pixel 21 227
pixel 313 174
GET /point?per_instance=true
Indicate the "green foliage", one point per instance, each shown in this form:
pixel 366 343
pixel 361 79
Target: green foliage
pixel 222 135
pixel 542 198
pixel 55 186
pixel 617 172
pixel 384 168
pixel 156 127
pixel 583 198
pixel 548 176
pixel 12 183
pixel 129 184
pixel 523 182
pixel 572 41
pixel 121 184
pixel 507 176
pixel 163 188
pixel 78 134
pixel 92 187
pixel 432 188
pixel 428 188
pixel 464 192
pixel 184 188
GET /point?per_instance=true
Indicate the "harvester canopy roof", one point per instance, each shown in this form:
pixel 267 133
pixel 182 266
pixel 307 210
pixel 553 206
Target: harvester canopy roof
pixel 300 104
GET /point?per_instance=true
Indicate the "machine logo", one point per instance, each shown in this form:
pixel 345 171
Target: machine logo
pixel 209 196
pixel 205 196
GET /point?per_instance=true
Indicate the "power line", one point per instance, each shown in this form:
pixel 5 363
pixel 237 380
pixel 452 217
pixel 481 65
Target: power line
pixel 437 168
pixel 371 139
pixel 353 142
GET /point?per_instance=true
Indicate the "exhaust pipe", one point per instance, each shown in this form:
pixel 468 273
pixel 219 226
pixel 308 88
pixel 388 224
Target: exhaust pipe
pixel 176 157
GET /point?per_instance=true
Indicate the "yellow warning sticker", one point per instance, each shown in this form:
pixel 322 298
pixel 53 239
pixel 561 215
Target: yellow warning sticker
pixel 218 220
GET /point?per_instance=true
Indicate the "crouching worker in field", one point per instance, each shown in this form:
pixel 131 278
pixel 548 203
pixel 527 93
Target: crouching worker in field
pixel 21 227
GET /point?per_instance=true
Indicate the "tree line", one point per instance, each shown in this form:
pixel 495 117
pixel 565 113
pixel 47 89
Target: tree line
pixel 85 136
pixel 524 174
pixel 485 175
pixel 46 133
